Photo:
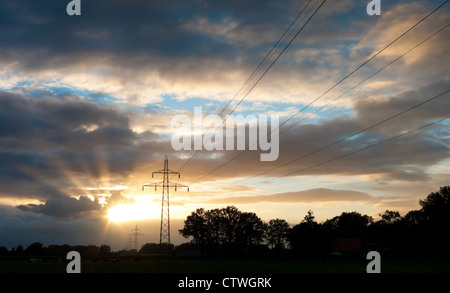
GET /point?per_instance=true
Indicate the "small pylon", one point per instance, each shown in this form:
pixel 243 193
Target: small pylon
pixel 136 235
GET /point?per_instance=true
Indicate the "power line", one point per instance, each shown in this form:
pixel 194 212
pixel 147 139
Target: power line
pixel 268 55
pixel 365 62
pixel 337 141
pixel 365 79
pixel 372 126
pixel 260 65
pixel 356 133
pixel 365 148
pixel 264 73
pixel 340 81
pixel 279 55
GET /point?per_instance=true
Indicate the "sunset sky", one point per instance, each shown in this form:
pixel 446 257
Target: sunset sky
pixel 86 104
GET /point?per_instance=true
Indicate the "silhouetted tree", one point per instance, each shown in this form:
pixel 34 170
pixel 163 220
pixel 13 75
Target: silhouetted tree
pixel 104 250
pixel 228 220
pixel 4 251
pixel 307 239
pixel 58 250
pixel 388 234
pixel 277 233
pixel 436 220
pixel 19 250
pixel 390 217
pixel 309 218
pixel 436 207
pixel 413 224
pixel 149 248
pixel 353 224
pixel 226 225
pixel 196 226
pixel 228 228
pixel 35 249
pixel 250 229
pixel 413 218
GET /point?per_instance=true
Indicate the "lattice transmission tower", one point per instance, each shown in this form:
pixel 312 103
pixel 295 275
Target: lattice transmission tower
pixel 136 233
pixel 164 233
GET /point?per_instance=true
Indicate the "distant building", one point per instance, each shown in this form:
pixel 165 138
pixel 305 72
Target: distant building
pixel 351 247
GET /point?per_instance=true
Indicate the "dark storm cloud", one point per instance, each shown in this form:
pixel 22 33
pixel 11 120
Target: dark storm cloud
pixel 64 207
pixel 373 110
pixel 43 140
pixel 48 124
pixel 139 51
pixel 39 34
pixel 25 118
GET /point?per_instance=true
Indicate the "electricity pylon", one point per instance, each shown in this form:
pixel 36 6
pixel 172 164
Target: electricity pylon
pixel 136 235
pixel 164 233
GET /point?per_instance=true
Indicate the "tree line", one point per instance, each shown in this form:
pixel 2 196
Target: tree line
pixel 228 232
pixel 92 252
pixel 37 249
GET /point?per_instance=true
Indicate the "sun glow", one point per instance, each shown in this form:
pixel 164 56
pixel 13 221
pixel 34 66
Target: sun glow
pixel 120 213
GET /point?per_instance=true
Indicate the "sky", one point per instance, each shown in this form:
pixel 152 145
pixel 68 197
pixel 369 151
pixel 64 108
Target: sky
pixel 87 102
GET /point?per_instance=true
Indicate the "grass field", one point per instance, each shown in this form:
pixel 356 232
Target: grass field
pixel 228 266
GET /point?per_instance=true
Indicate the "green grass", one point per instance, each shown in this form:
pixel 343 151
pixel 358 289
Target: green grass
pixel 228 266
